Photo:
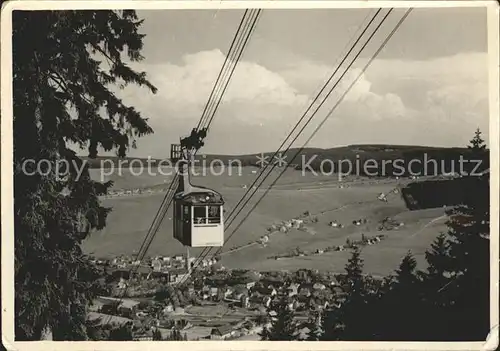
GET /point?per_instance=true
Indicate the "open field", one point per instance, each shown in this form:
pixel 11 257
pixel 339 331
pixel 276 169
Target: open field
pixel 294 194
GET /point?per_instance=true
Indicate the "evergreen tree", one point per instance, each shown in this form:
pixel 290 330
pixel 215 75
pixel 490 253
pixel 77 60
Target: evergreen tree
pixel 434 302
pixel 449 301
pixel 315 328
pixel 175 335
pixel 468 256
pixel 157 335
pixel 353 280
pixel 399 308
pixel 63 96
pixel 265 334
pixel 283 327
pixel 121 333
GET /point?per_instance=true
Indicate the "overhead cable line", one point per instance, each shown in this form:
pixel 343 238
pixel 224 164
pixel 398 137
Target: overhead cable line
pixel 329 114
pixel 236 39
pixel 400 22
pixel 203 254
pixel 314 101
pixel 234 61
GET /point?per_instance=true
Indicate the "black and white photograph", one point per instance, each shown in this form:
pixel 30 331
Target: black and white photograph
pixel 233 171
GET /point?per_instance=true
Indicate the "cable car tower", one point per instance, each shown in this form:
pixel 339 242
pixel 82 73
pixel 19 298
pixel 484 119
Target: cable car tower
pixel 198 211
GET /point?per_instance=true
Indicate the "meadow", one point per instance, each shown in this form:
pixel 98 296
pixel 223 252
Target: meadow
pixel 326 197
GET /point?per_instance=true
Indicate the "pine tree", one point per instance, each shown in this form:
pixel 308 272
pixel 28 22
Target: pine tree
pixel 469 228
pixel 477 143
pixel 434 302
pixel 405 274
pixel 265 334
pixel 400 302
pixel 283 327
pixel 64 97
pixel 456 282
pixel 353 279
pixel 343 323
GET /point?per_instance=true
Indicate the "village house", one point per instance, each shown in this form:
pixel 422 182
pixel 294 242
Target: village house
pixel 292 305
pixel 250 285
pixel 273 315
pixel 122 284
pixel 293 289
pixel 238 296
pixel 177 275
pixel 267 301
pixel 156 265
pixel 319 286
pixel 143 272
pixel 297 223
pixel 228 292
pixel 244 301
pixel 159 274
pixel 98 303
pixel 168 308
pixel 304 291
pixel 128 308
pixel 272 291
pixel 222 332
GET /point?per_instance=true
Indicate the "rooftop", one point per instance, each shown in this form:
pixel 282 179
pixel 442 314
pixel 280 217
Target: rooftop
pixel 223 329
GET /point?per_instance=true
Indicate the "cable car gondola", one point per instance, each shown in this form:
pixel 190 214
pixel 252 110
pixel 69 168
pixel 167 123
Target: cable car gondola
pixel 198 211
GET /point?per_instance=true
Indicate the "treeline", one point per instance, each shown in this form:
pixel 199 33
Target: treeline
pixel 447 301
pixel 367 160
pixel 436 193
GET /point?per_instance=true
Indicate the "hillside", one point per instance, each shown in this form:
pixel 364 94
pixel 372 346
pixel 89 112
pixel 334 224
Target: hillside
pixel 353 153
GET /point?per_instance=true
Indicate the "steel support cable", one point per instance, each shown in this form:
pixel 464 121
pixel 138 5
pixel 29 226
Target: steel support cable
pixel 223 70
pixel 205 253
pixel 238 56
pixel 300 120
pixel 162 215
pixel 319 106
pixel 254 22
pixel 309 108
pixel 317 109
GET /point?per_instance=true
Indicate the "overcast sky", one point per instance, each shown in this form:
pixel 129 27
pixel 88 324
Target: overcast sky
pixel 428 87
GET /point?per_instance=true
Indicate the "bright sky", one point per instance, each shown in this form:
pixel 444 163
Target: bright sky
pixel 428 87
